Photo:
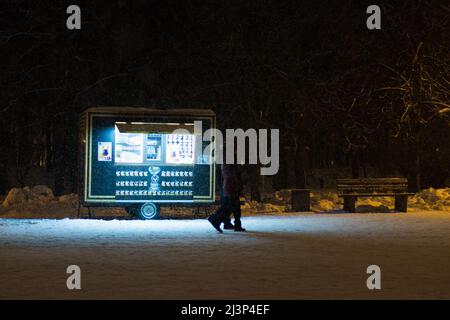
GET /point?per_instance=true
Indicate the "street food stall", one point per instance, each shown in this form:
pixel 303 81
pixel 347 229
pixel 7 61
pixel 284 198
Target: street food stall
pixel 142 159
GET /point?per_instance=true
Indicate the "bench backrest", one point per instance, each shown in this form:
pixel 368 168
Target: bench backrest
pixel 379 185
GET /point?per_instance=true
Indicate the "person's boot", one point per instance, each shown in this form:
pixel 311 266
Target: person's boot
pixel 215 224
pixel 228 225
pixel 238 226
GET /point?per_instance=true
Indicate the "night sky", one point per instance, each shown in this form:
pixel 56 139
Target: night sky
pixel 341 95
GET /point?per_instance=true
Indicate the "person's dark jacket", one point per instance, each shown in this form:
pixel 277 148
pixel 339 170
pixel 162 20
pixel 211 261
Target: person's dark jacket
pixel 231 181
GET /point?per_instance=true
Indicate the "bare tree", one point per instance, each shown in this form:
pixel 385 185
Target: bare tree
pixel 421 92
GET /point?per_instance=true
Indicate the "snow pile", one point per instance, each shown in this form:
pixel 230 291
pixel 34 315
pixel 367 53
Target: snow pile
pixel 320 201
pixel 273 203
pixel 37 202
pixel 281 197
pixel 325 205
pixel 431 199
pixel 15 196
pixel 71 199
pixel 427 199
pixel 324 201
pixel 37 194
pixel 254 207
pixel 328 201
pixel 375 204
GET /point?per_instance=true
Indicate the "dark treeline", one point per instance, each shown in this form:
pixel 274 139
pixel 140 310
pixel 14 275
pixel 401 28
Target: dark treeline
pixel 341 95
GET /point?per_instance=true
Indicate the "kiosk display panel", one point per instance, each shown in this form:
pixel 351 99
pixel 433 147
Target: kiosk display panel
pixel 145 155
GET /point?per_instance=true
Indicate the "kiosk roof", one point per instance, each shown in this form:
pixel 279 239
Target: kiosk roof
pixel 150 111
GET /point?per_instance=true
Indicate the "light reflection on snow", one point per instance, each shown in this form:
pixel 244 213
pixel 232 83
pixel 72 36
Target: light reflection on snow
pixel 260 228
pixel 298 256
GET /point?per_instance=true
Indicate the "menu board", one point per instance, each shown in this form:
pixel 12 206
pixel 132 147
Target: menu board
pixel 139 148
pixel 143 182
pixel 153 147
pixel 180 149
pixel 128 147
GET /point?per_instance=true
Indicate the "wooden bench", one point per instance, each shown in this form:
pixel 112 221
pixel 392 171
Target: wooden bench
pixel 351 189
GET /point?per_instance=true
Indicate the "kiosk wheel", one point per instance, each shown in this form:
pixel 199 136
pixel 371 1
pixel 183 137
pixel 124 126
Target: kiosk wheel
pixel 148 211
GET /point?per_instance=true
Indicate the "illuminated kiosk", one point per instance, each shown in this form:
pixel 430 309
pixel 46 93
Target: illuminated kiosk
pixel 131 157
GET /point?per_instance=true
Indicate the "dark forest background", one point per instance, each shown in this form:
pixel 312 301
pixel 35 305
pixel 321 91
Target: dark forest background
pixel 342 96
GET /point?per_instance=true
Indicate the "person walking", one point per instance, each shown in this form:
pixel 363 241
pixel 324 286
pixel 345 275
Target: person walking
pixel 230 203
pixel 227 225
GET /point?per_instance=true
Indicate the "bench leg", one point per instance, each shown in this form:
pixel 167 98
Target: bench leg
pixel 401 203
pixel 350 203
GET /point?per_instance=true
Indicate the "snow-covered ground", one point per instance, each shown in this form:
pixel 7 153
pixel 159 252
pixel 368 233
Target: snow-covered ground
pixel 281 257
pixel 284 255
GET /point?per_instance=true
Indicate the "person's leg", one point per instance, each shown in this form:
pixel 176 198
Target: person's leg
pixel 215 218
pixel 237 214
pixel 227 209
pixel 226 220
pixel 227 223
pixel 226 214
pixel 221 213
pixel 217 215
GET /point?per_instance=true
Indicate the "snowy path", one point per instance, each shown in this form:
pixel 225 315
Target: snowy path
pixel 288 257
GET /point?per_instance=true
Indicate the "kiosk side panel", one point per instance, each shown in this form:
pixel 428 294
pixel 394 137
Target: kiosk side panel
pixel 82 138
